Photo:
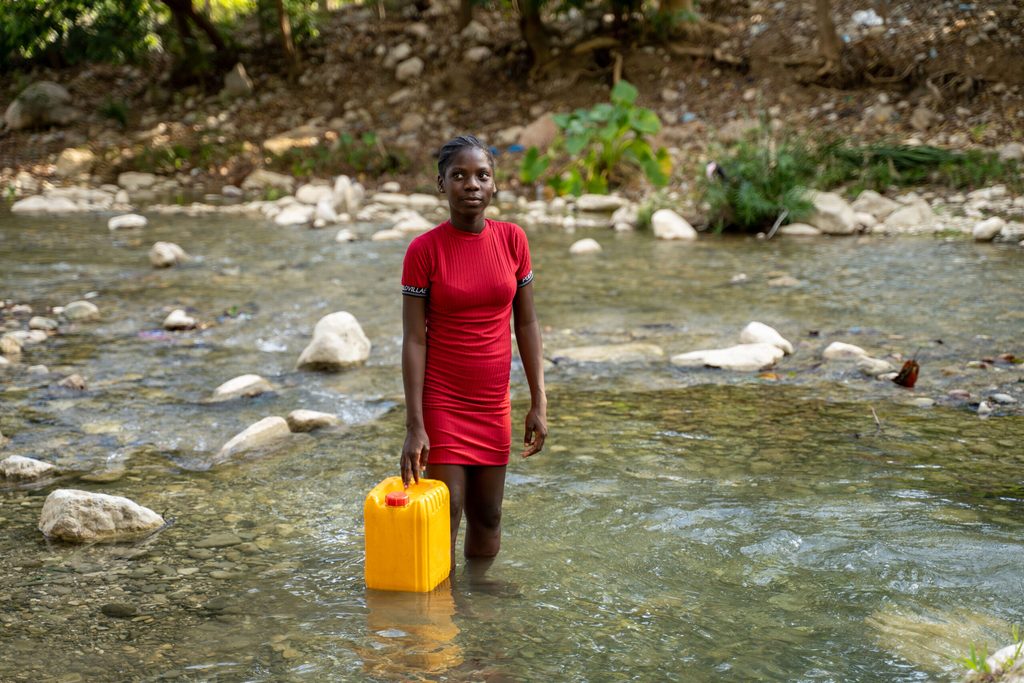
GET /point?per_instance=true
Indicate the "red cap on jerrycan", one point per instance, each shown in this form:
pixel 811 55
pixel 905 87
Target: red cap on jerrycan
pixel 396 499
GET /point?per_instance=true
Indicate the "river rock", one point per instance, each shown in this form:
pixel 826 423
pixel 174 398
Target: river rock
pixel 1007 664
pixel 478 54
pixel 917 214
pixel 541 133
pixel 475 32
pixel 624 218
pixel 179 320
pixel 831 214
pixel 843 351
pixel 345 235
pixel 261 179
pixel 41 104
pixel 611 353
pixel 128 220
pixel 988 229
pixel 312 194
pixel 923 118
pixel 295 214
pixel 42 204
pixel 585 246
pixel 873 367
pixel 243 385
pixel 296 138
pixel 258 435
pixel 75 382
pixel 742 357
pixel 799 230
pixel 759 333
pixel 1003 399
pixel 875 204
pixel 308 420
pixel 79 311
pixel 409 221
pixel 10 345
pixel 1011 151
pixel 325 213
pixel 600 203
pixel 221 539
pixel 75 161
pixel 669 225
pixel 386 235
pixel 84 517
pixel 38 322
pixel 409 69
pixel 348 194
pixel 237 82
pixel 21 468
pixel 166 254
pixel 338 342
pixel 133 181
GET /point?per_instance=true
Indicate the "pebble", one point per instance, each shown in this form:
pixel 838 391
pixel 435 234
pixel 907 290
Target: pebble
pixel 1003 399
pixel 200 554
pixel 119 610
pixel 959 394
pixel 984 409
pixel 924 402
pixel 219 540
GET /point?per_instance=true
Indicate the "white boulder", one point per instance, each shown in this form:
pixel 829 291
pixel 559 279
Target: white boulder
pixel 759 333
pixel 295 214
pixel 308 420
pixel 166 254
pixel 84 517
pixel 600 203
pixel 843 351
pixel 875 204
pixel 243 385
pixel 133 181
pixel 915 215
pixel 313 194
pixel 873 367
pixel 20 468
pixel 988 229
pixel 41 104
pixel 799 230
pixel 128 220
pixel 669 225
pixel 832 214
pixel 41 204
pixel 742 357
pixel 257 435
pixel 585 246
pixel 179 320
pixel 338 342
pixel 81 310
pixel 75 161
pixel 409 221
pixel 348 194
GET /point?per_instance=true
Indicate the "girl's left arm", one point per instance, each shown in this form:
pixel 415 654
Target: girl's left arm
pixel 531 352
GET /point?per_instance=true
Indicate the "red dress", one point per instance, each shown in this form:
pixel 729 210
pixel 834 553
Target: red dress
pixel 469 281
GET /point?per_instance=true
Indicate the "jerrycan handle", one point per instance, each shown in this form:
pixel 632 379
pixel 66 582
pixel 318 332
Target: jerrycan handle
pixel 396 499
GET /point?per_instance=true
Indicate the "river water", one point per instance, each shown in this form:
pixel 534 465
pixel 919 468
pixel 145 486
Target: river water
pixel 690 525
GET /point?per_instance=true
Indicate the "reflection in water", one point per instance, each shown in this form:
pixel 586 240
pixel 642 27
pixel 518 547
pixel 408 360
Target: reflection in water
pixel 412 633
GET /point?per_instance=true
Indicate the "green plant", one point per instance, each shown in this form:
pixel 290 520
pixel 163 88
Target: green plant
pixel 365 154
pixel 596 147
pixel 651 203
pixel 115 110
pixel 977 660
pixel 760 181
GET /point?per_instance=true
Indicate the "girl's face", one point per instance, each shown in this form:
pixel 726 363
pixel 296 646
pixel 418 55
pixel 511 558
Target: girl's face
pixel 468 181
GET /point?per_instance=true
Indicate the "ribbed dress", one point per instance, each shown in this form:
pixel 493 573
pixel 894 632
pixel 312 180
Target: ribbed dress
pixel 468 281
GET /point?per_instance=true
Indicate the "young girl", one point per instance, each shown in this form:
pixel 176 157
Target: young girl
pixel 462 281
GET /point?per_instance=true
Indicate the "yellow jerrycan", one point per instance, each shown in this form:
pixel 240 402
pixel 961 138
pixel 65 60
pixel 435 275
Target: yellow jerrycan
pixel 408 535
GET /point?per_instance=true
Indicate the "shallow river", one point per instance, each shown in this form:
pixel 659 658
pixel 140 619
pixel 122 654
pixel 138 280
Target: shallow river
pixel 689 525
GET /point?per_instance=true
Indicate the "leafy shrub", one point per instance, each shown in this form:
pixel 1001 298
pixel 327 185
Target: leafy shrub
pixel 115 110
pixel 762 180
pixel 363 155
pixel 596 148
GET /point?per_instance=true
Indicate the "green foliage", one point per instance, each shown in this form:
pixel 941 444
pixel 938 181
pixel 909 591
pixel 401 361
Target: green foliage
pixel 651 203
pixel 363 155
pixel 764 179
pixel 204 153
pixel 76 31
pixel 976 661
pixel 597 147
pixel 115 110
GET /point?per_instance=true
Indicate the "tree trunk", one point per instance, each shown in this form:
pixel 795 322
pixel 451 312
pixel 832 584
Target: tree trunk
pixel 532 29
pixel 465 13
pixel 828 40
pixel 285 24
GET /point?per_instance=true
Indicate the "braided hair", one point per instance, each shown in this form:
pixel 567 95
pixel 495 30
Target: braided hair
pixel 456 145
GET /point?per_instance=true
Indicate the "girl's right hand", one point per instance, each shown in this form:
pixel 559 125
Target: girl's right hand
pixel 414 455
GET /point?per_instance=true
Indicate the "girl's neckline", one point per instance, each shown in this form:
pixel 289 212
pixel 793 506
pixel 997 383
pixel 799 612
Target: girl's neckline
pixel 451 229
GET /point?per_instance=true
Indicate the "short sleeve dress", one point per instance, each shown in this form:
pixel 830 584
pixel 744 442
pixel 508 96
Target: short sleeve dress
pixel 469 281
